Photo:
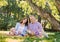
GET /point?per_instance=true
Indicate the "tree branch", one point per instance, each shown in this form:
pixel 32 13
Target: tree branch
pixel 43 14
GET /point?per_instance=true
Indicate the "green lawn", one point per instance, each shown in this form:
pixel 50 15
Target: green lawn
pixel 53 37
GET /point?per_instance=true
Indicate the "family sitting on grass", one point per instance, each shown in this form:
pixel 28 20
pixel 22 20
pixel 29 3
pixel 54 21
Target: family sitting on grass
pixel 23 28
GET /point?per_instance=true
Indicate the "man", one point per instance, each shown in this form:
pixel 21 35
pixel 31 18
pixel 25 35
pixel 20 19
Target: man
pixel 35 28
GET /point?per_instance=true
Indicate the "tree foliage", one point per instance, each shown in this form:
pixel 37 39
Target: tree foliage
pixel 13 10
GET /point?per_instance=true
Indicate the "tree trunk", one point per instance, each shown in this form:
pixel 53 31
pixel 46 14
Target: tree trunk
pixel 49 17
pixel 39 18
pixel 57 3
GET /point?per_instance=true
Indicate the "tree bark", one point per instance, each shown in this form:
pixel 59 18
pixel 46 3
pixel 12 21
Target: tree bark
pixel 39 18
pixel 57 3
pixel 47 16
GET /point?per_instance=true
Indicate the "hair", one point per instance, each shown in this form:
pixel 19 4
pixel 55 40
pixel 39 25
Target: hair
pixel 30 16
pixel 26 24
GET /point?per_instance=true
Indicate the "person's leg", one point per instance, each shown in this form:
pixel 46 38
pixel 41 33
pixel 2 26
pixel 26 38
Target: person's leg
pixel 45 35
pixel 12 31
pixel 30 33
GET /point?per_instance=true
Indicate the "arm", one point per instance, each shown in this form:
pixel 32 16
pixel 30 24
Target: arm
pixel 17 25
pixel 42 32
pixel 16 28
pixel 29 31
pixel 40 29
pixel 25 30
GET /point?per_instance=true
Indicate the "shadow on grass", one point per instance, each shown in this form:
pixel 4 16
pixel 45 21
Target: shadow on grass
pixel 52 38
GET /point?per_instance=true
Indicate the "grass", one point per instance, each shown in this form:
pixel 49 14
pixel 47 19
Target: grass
pixel 53 37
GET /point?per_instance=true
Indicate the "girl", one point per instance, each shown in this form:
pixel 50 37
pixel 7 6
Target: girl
pixel 20 28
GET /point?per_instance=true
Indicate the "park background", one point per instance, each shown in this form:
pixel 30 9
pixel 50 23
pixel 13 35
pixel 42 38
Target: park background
pixel 47 13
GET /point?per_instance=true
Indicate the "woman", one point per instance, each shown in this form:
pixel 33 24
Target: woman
pixel 20 28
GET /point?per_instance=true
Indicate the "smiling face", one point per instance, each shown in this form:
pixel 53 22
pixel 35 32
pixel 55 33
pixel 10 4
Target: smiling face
pixel 24 20
pixel 32 18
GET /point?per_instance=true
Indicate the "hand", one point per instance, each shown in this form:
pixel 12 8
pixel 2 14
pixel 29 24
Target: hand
pixel 32 33
pixel 29 31
pixel 41 35
pixel 19 32
pixel 26 35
